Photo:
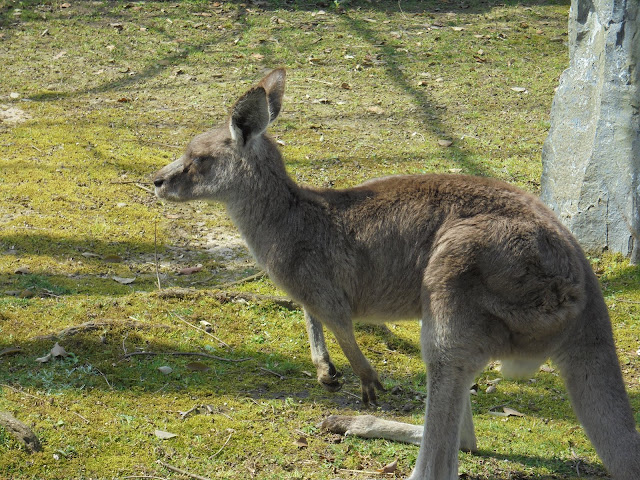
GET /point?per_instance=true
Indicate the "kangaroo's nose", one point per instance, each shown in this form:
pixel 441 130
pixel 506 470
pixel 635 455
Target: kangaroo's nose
pixel 158 182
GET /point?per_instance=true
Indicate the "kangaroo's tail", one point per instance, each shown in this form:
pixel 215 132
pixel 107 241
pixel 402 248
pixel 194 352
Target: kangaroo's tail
pixel 591 370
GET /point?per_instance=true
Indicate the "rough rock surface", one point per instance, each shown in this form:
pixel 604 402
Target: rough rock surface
pixel 591 158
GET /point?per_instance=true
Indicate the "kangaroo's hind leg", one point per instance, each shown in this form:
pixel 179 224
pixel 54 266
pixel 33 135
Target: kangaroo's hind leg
pixel 452 351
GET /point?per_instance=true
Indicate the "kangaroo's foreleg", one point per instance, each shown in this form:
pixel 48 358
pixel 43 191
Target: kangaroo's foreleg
pixel 342 328
pixel 328 376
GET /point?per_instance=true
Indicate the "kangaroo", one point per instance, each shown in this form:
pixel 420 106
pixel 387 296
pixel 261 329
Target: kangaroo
pixel 488 269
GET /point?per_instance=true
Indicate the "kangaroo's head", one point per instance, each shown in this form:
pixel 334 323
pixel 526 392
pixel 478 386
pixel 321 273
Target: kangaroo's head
pixel 216 161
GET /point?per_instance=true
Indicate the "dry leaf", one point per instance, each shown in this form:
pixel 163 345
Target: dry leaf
pixel 197 366
pixel 390 468
pixel 190 270
pixel 445 143
pixel 65 5
pixel 165 370
pixel 44 359
pixel 345 86
pixel 58 351
pixel 22 271
pixel 519 89
pixel 376 110
pixel 301 442
pixel 502 411
pixel 164 435
pixel 112 258
pixel 124 281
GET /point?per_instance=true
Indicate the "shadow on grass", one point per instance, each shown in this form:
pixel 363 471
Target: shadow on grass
pixel 102 365
pixel 347 15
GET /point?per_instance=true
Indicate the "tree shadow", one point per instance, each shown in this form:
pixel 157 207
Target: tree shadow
pixel 98 361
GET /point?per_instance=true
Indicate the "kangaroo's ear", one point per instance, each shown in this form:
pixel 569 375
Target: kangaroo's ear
pixel 274 86
pixel 249 116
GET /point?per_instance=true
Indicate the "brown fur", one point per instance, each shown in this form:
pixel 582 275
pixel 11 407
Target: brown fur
pixel 488 268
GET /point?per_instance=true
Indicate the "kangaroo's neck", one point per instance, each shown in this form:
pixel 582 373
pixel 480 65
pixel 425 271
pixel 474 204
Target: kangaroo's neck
pixel 268 206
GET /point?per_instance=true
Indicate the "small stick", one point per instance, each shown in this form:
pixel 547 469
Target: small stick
pixel 40 399
pixel 281 377
pixel 222 447
pixel 127 182
pixel 155 251
pixel 196 354
pixel 103 376
pixel 148 190
pixel 179 470
pixel 146 476
pixel 200 329
pixel 256 276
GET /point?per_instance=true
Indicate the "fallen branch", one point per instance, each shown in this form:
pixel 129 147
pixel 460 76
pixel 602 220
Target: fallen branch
pixel 227 297
pixel 91 326
pixel 250 278
pixel 20 431
pixel 281 377
pixel 196 354
pixel 41 400
pixel 180 471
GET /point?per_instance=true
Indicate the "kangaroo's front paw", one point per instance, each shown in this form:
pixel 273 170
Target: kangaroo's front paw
pixel 329 378
pixel 369 388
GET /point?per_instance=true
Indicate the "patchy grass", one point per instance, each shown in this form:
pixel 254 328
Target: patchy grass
pixel 96 96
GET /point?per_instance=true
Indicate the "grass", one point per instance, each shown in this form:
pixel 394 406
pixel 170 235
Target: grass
pixel 108 92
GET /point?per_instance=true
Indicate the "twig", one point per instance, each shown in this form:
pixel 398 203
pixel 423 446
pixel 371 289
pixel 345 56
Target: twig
pixel 324 82
pixel 200 329
pixel 250 278
pixel 35 148
pixel 366 472
pixel 281 377
pixel 127 182
pixel 124 346
pixel 195 354
pixel 179 470
pixel 40 399
pixel 155 251
pixel 103 376
pixel 146 476
pixel 226 297
pixel 222 447
pixel 148 190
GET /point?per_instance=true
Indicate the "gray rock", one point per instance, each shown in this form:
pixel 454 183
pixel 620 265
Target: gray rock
pixel 591 158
